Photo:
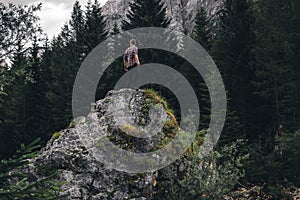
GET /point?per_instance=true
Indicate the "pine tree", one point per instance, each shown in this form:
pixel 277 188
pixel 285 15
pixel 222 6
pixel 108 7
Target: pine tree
pixel 77 23
pixel 43 80
pixel 95 26
pixel 115 71
pixel 201 34
pixel 274 108
pixel 33 92
pixel 115 29
pixel 202 30
pixel 276 77
pixel 19 114
pixel 62 78
pixel 19 24
pixel 231 52
pixel 84 31
pixel 13 128
pixel 146 13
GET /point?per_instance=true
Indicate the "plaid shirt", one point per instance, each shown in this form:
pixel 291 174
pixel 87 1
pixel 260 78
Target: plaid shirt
pixel 129 55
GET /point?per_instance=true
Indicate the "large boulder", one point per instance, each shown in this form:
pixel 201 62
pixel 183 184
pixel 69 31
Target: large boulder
pixel 71 152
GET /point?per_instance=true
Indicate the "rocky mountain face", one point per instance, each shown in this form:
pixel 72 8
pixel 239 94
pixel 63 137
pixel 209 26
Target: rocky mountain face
pixel 73 154
pixel 181 12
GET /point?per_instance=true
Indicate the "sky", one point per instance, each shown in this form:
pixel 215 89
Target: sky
pixel 54 13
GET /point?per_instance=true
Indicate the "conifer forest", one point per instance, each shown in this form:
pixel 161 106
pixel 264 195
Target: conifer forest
pixel 255 45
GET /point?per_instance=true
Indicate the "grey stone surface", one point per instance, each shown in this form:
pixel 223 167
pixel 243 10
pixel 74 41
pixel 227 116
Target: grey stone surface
pixel 72 155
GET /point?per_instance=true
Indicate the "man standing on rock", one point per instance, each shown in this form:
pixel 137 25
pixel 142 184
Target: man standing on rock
pixel 130 57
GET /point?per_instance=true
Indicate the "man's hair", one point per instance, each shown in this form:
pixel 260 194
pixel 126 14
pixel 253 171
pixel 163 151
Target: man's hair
pixel 133 42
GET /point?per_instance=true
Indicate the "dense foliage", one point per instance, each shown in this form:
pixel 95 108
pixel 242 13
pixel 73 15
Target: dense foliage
pixel 255 44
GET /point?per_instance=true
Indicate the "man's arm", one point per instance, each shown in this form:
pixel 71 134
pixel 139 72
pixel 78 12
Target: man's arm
pixel 136 57
pixel 125 61
pixel 137 60
pixel 124 58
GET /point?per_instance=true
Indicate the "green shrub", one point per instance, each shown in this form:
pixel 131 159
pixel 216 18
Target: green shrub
pixel 205 178
pixel 15 184
pixel 288 151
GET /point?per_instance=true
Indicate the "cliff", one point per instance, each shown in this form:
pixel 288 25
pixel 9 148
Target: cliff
pixel 181 12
